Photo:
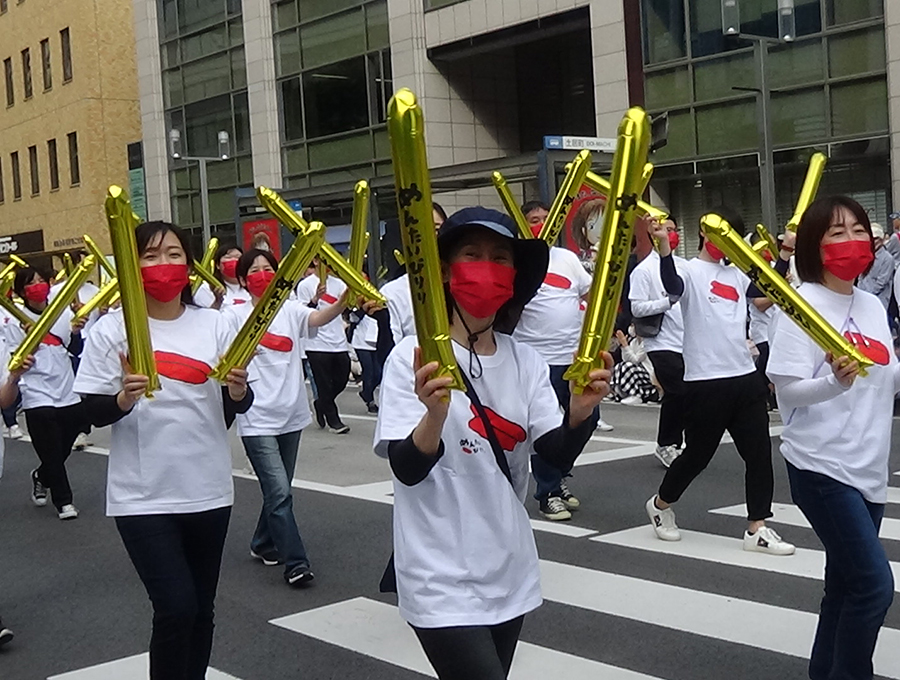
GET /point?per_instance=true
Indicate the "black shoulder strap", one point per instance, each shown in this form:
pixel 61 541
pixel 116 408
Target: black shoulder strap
pixel 499 455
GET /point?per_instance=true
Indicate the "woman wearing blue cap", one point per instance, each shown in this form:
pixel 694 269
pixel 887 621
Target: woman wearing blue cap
pixel 465 559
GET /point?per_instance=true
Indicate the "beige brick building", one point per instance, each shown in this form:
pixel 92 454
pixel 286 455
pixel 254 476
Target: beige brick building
pixel 69 108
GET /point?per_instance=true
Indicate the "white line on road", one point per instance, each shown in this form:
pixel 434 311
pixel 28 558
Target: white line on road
pixel 129 668
pixel 793 516
pixel 721 617
pixel 375 629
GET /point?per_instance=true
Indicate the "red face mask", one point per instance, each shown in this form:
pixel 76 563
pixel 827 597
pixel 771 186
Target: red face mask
pixel 37 292
pixel 674 240
pixel 536 229
pixel 257 282
pixel 713 252
pixel 229 268
pixel 847 259
pixel 481 288
pixel 164 282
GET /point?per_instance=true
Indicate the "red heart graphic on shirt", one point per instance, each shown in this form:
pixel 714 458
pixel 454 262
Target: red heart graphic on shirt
pixel 870 347
pixel 330 299
pixel 557 281
pixel 51 340
pixel 278 343
pixel 723 290
pixel 508 433
pixel 238 301
pixel 181 368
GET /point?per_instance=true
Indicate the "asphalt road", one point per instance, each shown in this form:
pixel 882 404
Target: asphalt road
pixel 619 604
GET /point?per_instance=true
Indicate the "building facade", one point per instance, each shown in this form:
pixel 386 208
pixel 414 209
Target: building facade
pixel 301 87
pixel 69 109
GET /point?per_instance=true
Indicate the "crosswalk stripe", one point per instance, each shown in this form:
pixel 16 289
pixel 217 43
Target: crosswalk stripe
pixel 375 629
pixel 754 624
pixel 893 494
pixel 130 668
pixel 724 550
pixel 784 513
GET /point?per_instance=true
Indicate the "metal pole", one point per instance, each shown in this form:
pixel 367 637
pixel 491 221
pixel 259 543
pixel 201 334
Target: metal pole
pixel 204 201
pixel 766 154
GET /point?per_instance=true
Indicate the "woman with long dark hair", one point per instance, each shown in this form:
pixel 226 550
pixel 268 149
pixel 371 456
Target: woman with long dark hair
pixel 837 433
pixel 169 485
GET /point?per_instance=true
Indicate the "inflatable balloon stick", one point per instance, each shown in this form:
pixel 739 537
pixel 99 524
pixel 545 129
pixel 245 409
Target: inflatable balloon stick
pixel 205 264
pixel 810 186
pixel 19 261
pixel 14 310
pixel 51 314
pixel 510 205
pixel 601 186
pixel 101 299
pixel 627 179
pixel 562 204
pixel 290 271
pixel 406 127
pixel 122 223
pixel 101 258
pixel 768 239
pixel 779 291
pixel 359 222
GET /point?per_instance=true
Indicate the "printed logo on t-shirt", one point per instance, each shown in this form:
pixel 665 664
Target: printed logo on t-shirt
pixel 870 347
pixel 327 297
pixel 238 301
pixel 181 368
pixel 51 340
pixel 723 290
pixel 557 281
pixel 509 434
pixel 277 343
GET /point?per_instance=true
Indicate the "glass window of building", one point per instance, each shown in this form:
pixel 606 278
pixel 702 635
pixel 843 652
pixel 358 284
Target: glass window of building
pixel 849 11
pixel 45 64
pixel 2 196
pixel 26 73
pixel 10 85
pixel 74 168
pixel 664 36
pixel 16 175
pixel 65 43
pixel 53 164
pixel 34 171
pixel 4 5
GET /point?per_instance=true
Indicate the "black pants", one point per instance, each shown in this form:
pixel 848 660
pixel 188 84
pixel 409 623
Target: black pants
pixel 737 405
pixel 53 432
pixel 178 558
pixel 468 652
pixel 331 370
pixel 762 362
pixel 669 369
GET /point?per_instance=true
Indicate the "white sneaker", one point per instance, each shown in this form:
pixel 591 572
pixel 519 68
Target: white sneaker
pixel 68 511
pixel 663 521
pixel 667 454
pixel 633 400
pixel 603 426
pixel 82 441
pixel 767 540
pixel 15 432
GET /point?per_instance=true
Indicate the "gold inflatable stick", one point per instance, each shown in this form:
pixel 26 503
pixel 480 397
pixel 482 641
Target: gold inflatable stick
pixel 770 241
pixel 644 209
pixel 359 225
pixel 399 257
pixel 13 309
pixel 19 261
pixel 562 204
pixel 122 223
pixel 354 279
pixel 406 127
pixel 627 179
pixel 810 186
pixel 779 291
pixel 203 274
pixel 206 264
pixel 101 258
pixel 290 271
pixel 68 265
pixel 51 314
pixel 101 298
pixel 509 203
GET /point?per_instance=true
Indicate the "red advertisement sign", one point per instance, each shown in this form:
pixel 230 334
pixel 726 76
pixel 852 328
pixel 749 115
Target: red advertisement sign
pixel 263 234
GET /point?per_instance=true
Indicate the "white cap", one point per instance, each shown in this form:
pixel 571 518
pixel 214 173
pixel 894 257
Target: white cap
pixel 877 230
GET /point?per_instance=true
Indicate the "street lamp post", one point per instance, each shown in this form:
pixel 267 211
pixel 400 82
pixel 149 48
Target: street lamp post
pixel 224 154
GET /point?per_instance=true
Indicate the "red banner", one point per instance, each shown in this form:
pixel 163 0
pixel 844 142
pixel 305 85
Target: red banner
pixel 263 234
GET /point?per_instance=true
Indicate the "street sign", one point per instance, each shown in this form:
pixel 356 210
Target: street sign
pixel 567 143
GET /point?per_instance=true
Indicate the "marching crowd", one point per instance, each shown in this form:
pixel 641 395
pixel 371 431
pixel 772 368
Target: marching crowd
pixel 465 565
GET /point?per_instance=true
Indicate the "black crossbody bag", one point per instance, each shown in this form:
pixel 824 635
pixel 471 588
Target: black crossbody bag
pixel 389 578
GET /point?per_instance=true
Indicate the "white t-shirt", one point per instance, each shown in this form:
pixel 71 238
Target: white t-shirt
pixel 4 374
pixel 649 297
pixel 204 297
pixel 366 333
pixel 170 455
pixel 280 404
pixel 331 336
pixel 399 304
pixel 49 381
pixel 760 323
pixel 87 291
pixel 234 295
pixel 847 437
pixel 714 309
pixel 463 547
pixel 551 321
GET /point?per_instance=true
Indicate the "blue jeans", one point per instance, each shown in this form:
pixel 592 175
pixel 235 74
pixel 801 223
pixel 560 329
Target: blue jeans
pixel 277 536
pixel 371 374
pixel 859 585
pixel 307 371
pixel 548 477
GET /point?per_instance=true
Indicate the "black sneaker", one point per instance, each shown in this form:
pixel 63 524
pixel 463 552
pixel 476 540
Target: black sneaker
pixel 270 560
pixel 372 407
pixel 38 490
pixel 320 417
pixel 299 577
pixel 554 509
pixel 568 498
pixel 5 634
